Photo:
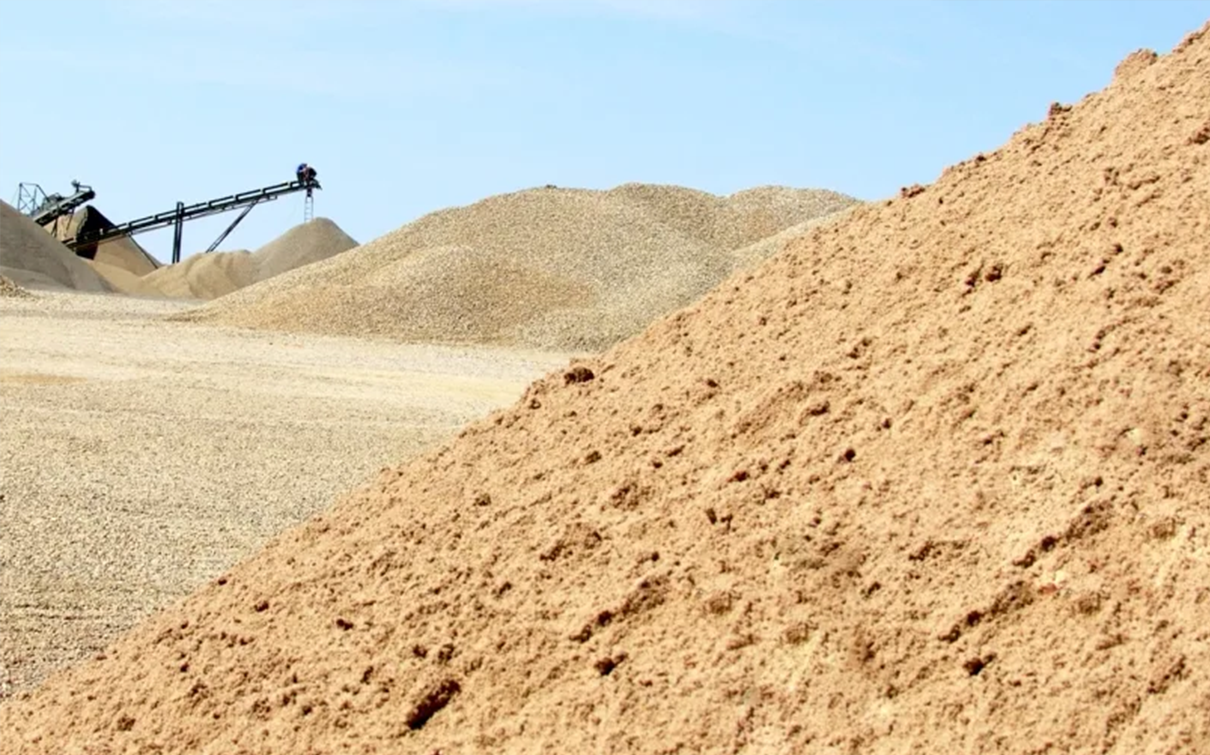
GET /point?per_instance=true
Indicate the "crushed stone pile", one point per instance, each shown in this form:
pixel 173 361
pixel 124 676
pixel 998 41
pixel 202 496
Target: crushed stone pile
pixel 201 276
pixel 301 245
pixel 10 290
pixel 33 258
pixel 127 255
pixel 119 279
pixel 933 479
pixel 549 268
pixel 216 274
pixel 119 261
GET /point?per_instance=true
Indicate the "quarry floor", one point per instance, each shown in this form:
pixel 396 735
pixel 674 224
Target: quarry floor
pixel 140 458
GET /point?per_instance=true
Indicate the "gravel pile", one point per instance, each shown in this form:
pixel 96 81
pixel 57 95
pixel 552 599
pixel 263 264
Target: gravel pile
pixel 118 260
pixel 31 257
pixel 301 245
pixel 563 269
pixel 200 276
pixel 10 290
pixel 211 275
pixel 119 279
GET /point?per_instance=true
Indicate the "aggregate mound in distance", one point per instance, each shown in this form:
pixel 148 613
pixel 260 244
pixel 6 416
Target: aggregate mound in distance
pixel 215 274
pixel 549 268
pixel 200 276
pixel 932 479
pixel 119 260
pixel 33 258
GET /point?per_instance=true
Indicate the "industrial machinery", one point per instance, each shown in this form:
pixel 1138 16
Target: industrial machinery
pixel 45 209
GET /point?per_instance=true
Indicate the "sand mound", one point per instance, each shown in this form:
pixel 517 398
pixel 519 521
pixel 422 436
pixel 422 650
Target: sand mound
pixel 121 253
pixel 931 480
pixel 201 276
pixel 562 269
pixel 209 276
pixel 126 254
pixel 10 290
pixel 301 245
pixel 32 257
pixel 119 279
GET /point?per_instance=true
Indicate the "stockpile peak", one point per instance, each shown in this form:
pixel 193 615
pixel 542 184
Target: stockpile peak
pixel 548 268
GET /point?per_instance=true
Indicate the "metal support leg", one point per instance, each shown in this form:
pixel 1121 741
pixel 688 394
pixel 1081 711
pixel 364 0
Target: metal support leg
pixel 178 226
pixel 230 228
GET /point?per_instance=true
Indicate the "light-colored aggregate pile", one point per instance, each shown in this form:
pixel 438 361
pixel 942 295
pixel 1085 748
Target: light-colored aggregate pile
pixel 125 254
pixel 565 269
pixel 301 245
pixel 211 275
pixel 119 260
pixel 931 480
pixel 120 279
pixel 139 459
pixel 201 276
pixel 31 257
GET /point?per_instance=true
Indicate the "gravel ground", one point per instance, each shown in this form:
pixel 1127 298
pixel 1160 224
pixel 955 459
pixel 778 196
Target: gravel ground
pixel 139 458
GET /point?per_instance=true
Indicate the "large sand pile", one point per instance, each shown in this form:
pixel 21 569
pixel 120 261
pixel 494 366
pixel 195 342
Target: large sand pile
pixel 32 257
pixel 562 269
pixel 200 276
pixel 301 245
pixel 209 276
pixel 931 480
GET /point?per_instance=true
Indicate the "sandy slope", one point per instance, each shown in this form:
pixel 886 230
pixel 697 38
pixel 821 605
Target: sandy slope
pixel 931 480
pixel 31 257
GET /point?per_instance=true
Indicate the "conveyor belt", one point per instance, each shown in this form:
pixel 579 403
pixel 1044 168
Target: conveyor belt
pixel 184 212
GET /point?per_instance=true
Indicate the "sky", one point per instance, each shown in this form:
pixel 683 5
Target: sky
pixel 410 106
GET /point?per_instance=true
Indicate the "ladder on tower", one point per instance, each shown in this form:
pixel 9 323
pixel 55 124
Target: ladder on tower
pixel 309 207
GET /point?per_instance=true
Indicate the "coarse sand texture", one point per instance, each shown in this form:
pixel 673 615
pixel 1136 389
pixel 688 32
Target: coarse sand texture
pixel 31 257
pixel 299 246
pixel 554 269
pixel 201 276
pixel 214 274
pixel 10 290
pixel 932 479
pixel 117 260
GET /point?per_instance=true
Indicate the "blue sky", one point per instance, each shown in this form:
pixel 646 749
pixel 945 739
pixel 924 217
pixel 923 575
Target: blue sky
pixel 409 106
